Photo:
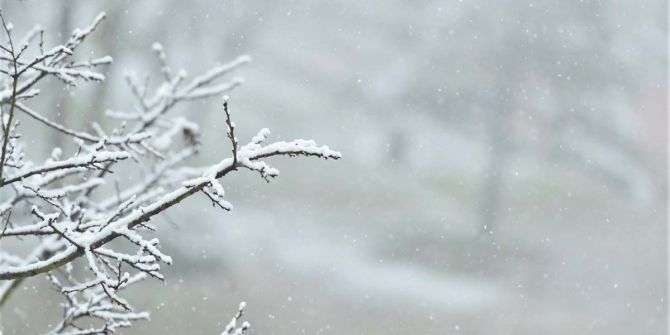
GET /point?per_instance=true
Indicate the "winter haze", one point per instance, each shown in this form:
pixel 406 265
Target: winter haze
pixel 503 171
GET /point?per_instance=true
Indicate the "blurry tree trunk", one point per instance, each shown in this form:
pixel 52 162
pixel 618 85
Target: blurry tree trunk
pixel 61 103
pixel 492 186
pixel 397 146
pixel 104 43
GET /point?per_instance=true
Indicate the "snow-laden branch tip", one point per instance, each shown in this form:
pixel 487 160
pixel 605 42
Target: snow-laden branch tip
pixel 232 327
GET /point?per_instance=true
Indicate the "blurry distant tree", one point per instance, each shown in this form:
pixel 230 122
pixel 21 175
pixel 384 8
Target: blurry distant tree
pixel 526 84
pixel 61 211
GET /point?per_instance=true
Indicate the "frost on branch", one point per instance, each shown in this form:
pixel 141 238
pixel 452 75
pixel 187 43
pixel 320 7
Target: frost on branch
pixel 63 210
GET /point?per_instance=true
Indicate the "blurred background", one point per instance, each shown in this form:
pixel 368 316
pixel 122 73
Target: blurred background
pixel 504 170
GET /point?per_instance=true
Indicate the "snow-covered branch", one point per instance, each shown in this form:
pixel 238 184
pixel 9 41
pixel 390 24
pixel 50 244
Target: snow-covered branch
pixel 67 204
